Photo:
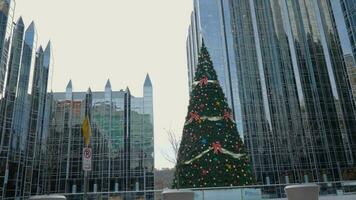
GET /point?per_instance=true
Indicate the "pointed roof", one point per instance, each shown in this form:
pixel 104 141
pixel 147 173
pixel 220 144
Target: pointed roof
pixel 40 49
pixel 47 55
pixel 31 26
pixel 30 34
pixel 19 22
pixel 48 47
pixel 69 85
pixel 127 89
pixel 108 84
pixel 148 82
pixel 89 90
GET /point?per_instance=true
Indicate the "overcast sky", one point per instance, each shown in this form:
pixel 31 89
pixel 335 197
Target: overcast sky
pixel 121 40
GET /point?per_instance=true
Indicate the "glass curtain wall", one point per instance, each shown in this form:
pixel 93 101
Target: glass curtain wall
pixel 122 141
pixel 282 68
pixel 293 91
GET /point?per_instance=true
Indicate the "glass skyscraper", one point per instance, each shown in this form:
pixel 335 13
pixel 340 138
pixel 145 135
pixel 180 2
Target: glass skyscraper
pixel 288 77
pixel 122 141
pixel 22 106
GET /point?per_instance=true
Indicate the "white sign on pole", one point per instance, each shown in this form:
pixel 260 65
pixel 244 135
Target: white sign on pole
pixel 87 154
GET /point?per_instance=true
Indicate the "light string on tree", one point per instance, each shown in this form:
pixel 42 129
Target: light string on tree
pixel 216 146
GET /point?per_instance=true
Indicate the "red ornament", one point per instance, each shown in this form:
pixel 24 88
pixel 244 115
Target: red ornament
pixel 204 172
pixel 227 116
pixel 203 81
pixel 217 147
pixel 194 116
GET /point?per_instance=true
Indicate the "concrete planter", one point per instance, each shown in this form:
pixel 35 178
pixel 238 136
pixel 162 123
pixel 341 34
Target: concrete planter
pixel 302 192
pixel 211 194
pixel 177 195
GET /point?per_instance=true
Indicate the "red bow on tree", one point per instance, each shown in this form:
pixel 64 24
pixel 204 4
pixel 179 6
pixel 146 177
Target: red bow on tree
pixel 203 81
pixel 217 147
pixel 227 116
pixel 194 116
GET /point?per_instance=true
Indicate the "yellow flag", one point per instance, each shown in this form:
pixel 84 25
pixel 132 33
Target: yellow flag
pixel 86 131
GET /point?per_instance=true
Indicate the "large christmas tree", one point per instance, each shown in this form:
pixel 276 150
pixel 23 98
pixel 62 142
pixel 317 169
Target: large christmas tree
pixel 211 153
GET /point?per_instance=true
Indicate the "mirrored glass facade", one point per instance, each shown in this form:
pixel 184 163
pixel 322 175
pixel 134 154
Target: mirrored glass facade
pixel 345 16
pixel 7 8
pixel 349 13
pixel 296 108
pixel 23 112
pixel 122 141
pixel 211 20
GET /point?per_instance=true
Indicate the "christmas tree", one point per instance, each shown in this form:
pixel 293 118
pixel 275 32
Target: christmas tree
pixel 211 153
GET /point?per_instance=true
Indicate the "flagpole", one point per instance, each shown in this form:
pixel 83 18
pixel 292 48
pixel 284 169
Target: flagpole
pixel 85 184
pixel 87 154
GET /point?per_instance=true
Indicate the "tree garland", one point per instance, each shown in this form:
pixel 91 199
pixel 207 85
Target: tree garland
pixel 217 149
pixel 194 116
pixel 204 81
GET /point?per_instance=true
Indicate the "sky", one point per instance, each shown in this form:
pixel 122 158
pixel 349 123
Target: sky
pixel 122 40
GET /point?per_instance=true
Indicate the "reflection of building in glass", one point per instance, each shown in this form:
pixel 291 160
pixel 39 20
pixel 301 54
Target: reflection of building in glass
pixel 351 70
pixel 22 112
pixel 349 12
pixel 211 20
pixel 293 103
pixel 122 141
pixel 7 8
pixel 344 12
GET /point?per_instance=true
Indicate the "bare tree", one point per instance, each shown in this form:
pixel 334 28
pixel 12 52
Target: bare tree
pixel 174 143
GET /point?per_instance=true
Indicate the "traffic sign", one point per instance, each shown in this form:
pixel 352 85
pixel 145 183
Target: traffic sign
pixel 87 155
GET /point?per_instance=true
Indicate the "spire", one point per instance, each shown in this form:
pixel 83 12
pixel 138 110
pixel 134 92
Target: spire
pixel 19 22
pixel 89 90
pixel 31 27
pixel 69 91
pixel 48 47
pixel 127 89
pixel 108 90
pixel 69 85
pixel 47 55
pixel 30 35
pixel 148 82
pixel 40 49
pixel 108 84
pixel 18 31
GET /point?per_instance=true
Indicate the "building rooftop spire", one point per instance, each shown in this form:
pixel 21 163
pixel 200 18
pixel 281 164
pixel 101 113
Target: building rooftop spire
pixel 48 47
pixel 40 49
pixel 148 82
pixel 108 84
pixel 19 22
pixel 31 27
pixel 47 55
pixel 69 85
